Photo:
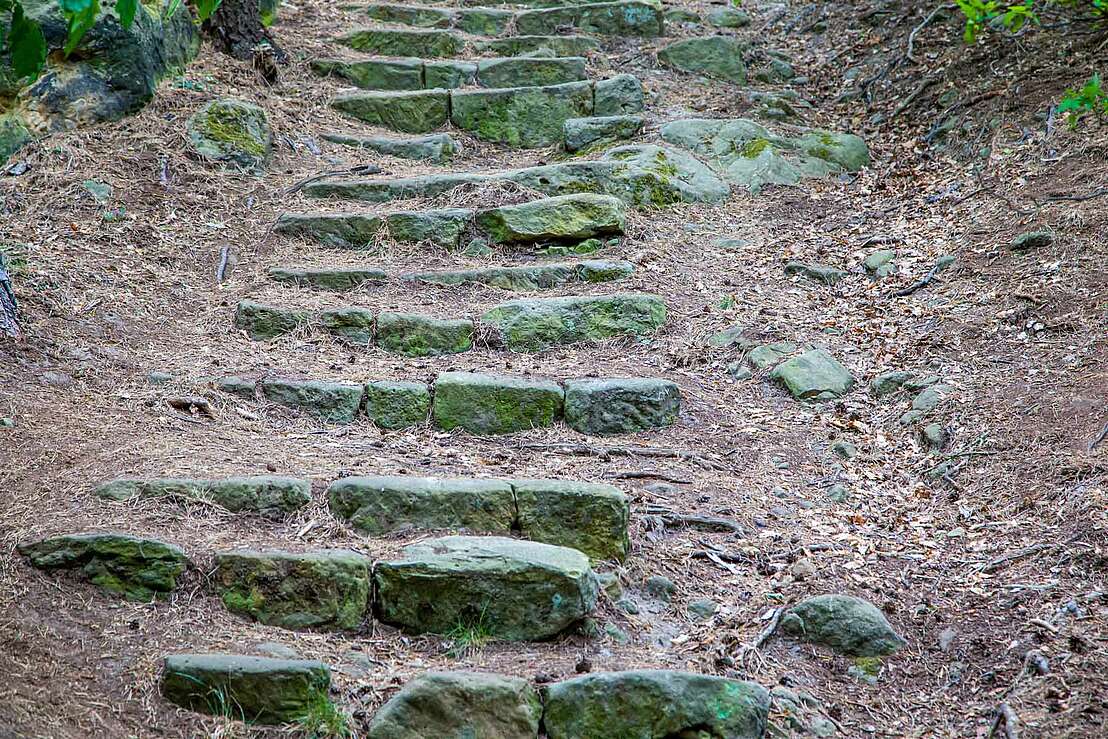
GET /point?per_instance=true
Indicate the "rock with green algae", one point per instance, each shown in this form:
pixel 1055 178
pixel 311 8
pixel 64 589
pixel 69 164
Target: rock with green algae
pixel 846 624
pixel 766 356
pixel 415 335
pixel 493 404
pixel 352 325
pixel 824 273
pixel 136 569
pixel 440 226
pixel 483 21
pixel 720 57
pixel 526 278
pixel 449 74
pixel 623 18
pixel 337 279
pixel 456 705
pixel 233 132
pixel 433 147
pixel 535 324
pixel 583 133
pixel 426 44
pixel 14 135
pixel 312 590
pixel 265 494
pixel 387 504
pixel 529 44
pixel 335 402
pixel 589 517
pixel 555 218
pixel 618 95
pixel 526 117
pixel 608 407
pixel 262 322
pixel 410 15
pixel 815 374
pixel 392 404
pixel 260 690
pixel 651 704
pixel 728 17
pixel 751 155
pixel 510 589
pixel 374 74
pixel 415 111
pixel 530 71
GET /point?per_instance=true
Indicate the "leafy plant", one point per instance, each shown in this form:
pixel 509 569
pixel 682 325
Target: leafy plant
pixel 469 636
pixel 1013 17
pixel 322 718
pixel 1090 98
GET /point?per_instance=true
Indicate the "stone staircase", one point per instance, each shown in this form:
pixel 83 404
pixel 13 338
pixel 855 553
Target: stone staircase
pixel 517 559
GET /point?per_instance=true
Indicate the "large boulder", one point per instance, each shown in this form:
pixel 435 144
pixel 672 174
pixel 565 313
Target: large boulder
pixel 493 404
pixel 720 57
pixel 460 705
pixel 260 494
pixel 232 132
pixel 751 155
pixel 535 324
pixel 655 704
pixel 314 590
pixel 846 624
pixel 261 690
pixel 505 588
pixel 561 217
pixel 606 407
pixel 137 569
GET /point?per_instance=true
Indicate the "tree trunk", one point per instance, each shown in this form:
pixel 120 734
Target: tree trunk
pixel 235 28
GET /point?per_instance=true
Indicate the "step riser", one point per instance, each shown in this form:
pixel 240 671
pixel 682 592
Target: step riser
pixel 631 18
pixel 411 75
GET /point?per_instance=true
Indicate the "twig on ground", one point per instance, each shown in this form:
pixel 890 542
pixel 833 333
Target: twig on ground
pixel 359 170
pixel 940 264
pixel 224 258
pixel 996 563
pixel 625 451
pixel 649 475
pixel 702 523
pixel 923 24
pixel 1099 437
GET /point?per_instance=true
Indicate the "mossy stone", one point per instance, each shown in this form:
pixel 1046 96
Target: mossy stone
pixel 263 494
pixel 449 74
pixel 14 135
pixel 526 117
pixel 410 15
pixel 459 705
pixel 260 690
pixel 397 405
pixel 582 133
pixel 728 18
pixel 136 569
pixel 434 147
pixel 347 231
pixel 492 404
pixel 589 517
pixel 844 623
pixel 510 589
pixel 441 227
pixel 234 132
pixel 815 374
pixel 556 218
pixel 525 44
pixel 419 111
pixel 623 18
pixel 263 322
pixel 535 324
pixel 415 335
pixel 651 704
pixel 618 95
pixel 607 407
pixel 352 325
pixel 529 71
pixel 337 280
pixel 824 273
pixel 426 44
pixel 720 57
pixel 383 505
pixel 483 21
pixel 374 74
pixel 336 402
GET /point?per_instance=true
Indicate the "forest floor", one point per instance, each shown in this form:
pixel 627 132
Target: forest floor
pixel 1002 556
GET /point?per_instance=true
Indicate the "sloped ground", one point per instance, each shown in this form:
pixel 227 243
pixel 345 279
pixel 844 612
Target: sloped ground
pixel 1006 551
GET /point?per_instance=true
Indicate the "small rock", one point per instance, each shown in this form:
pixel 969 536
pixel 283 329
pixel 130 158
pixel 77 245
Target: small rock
pixel 732 244
pixel 616 633
pixel 816 272
pixel 739 372
pixel 660 587
pixel 610 584
pixel 846 624
pixel 838 493
pixel 477 248
pixel 934 436
pixel 803 569
pixel 101 192
pixel 1032 240
pixel 274 649
pixel 865 669
pixel 7 423
pixel 946 638
pixel 702 609
pixel 161 378
pixel 57 379
pixel 768 355
pixel 887 383
pixel 728 18
pixel 844 450
pixel 815 374
pixel 234 132
pixel 627 606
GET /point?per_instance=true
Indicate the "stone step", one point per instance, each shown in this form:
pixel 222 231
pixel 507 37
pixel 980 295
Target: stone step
pixel 622 18
pixel 478 403
pixel 520 325
pixel 136 569
pixel 435 147
pixel 580 134
pixel 441 227
pixel 258 690
pixel 562 217
pixel 409 43
pixel 560 46
pixel 643 176
pixel 505 588
pixel 416 74
pixel 314 590
pixel 589 517
pixel 264 494
pixel 519 278
pixel 418 111
pixel 477 21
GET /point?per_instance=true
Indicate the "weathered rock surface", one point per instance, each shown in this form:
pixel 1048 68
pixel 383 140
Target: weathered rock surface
pixel 491 404
pixel 655 704
pixel 261 494
pixel 457 705
pixel 137 569
pixel 263 322
pixel 336 402
pixel 338 280
pixel 441 227
pixel 624 18
pixel 534 324
pixel 527 278
pixel 234 132
pixel 589 517
pixel 434 147
pixel 618 95
pixel 415 335
pixel 511 589
pixel 720 57
pixel 562 217
pixel 582 133
pixel 530 71
pixel 814 374
pixel 374 74
pixel 605 407
pixel 416 111
pixel 525 44
pixel 405 43
pixel 527 117
pixel 352 325
pixel 844 623
pixel 313 590
pixel 260 690
pixel 397 404
pixel 824 273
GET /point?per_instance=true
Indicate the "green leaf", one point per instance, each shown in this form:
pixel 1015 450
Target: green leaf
pixel 81 15
pixel 27 44
pixel 126 10
pixel 205 8
pixel 172 8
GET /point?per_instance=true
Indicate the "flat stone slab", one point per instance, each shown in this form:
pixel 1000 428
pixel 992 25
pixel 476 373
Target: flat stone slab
pixel 374 74
pixel 605 407
pixel 530 71
pixel 618 95
pixel 441 227
pixel 719 57
pixel 337 280
pixel 814 374
pixel 526 117
pixel 410 15
pixel 449 74
pixel 336 402
pixel 405 43
pixel 524 44
pixel 351 325
pixel 418 111
pixel 531 277
pixel 511 589
pixel 415 335
pixel 258 690
pixel 435 147
pixel 625 18
pixel 844 623
pixel 582 133
pixel 384 505
pixel 312 590
pixel 493 404
pixel 655 704
pixel 396 404
pixel 264 322
pixel 535 324
pixel 562 217
pixel 751 155
pixel 136 569
pixel 259 494
pixel 589 517
pixel 460 704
